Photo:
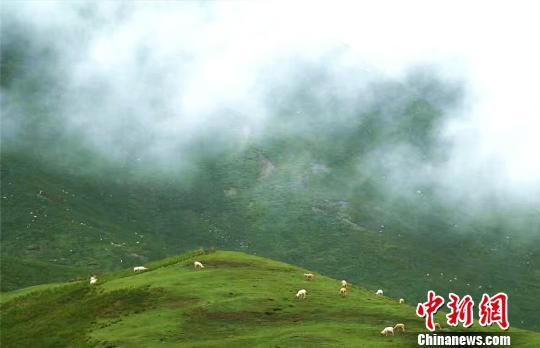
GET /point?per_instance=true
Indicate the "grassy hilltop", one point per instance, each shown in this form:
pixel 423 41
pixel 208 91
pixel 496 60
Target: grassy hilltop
pixel 238 300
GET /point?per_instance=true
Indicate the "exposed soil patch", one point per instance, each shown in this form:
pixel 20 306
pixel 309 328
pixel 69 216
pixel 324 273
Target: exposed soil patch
pixel 267 167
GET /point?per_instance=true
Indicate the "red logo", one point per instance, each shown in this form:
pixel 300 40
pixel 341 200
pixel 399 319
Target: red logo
pixel 460 310
pixel 494 310
pixel 491 310
pixel 429 308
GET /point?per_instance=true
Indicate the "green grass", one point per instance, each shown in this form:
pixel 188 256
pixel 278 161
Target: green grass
pixel 238 300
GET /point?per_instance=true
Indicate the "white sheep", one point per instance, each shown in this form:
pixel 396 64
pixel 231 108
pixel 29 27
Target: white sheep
pixel 400 327
pixel 379 292
pixel 343 292
pixel 309 276
pixel 401 301
pixel 93 280
pixel 387 331
pixel 198 265
pixel 344 284
pixel 301 294
pixel 139 269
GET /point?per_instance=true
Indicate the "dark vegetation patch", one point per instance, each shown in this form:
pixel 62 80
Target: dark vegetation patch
pixel 282 269
pixel 277 314
pixel 60 317
pixel 239 315
pixel 180 303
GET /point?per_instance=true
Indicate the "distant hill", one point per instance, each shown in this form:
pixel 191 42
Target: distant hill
pixel 236 300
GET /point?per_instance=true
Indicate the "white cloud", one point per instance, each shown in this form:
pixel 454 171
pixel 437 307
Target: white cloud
pixel 172 64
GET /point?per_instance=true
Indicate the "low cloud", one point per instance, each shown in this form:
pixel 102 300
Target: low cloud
pixel 145 81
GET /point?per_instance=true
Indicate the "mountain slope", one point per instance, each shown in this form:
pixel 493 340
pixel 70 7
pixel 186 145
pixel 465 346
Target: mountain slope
pixel 81 224
pixel 237 300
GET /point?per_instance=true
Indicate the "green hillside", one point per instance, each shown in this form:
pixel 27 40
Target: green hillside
pixel 87 223
pixel 237 300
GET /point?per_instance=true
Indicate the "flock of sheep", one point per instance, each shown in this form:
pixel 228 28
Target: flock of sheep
pixel 387 331
pixel 302 293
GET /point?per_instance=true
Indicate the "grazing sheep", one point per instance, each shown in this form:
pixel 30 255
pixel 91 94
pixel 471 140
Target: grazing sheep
pixel 198 265
pixel 344 284
pixel 401 301
pixel 93 280
pixel 399 327
pixel 387 331
pixel 379 292
pixel 437 326
pixel 139 269
pixel 301 294
pixel 343 292
pixel 309 276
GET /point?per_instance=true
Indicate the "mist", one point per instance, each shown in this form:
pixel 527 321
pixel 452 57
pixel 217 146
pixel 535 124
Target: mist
pixel 155 84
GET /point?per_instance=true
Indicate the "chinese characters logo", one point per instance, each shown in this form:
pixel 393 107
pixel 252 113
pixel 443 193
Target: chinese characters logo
pixel 491 310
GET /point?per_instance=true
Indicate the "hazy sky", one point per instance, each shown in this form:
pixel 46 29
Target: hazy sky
pixel 167 69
